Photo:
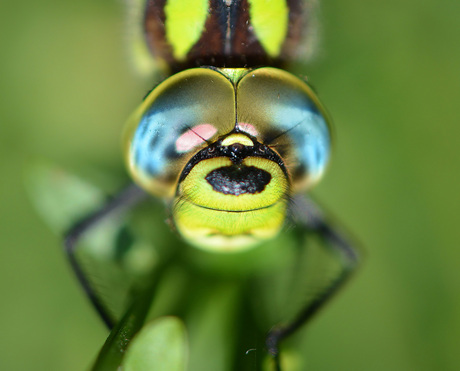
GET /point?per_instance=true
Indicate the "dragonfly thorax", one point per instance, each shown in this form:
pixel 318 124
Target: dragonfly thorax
pixel 220 33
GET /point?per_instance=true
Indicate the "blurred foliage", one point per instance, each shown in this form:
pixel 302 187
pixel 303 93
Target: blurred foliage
pixel 210 292
pixel 388 73
pixel 161 345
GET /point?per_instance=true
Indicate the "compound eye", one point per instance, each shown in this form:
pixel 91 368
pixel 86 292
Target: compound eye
pixel 194 137
pixel 178 118
pixel 289 118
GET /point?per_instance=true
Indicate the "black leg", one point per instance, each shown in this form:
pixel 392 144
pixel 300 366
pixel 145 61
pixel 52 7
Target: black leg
pixel 127 198
pixel 309 216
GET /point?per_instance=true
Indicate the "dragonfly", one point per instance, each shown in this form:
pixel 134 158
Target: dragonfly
pixel 230 142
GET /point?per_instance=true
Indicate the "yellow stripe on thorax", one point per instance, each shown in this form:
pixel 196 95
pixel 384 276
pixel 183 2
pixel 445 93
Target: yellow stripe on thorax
pixel 270 19
pixel 184 24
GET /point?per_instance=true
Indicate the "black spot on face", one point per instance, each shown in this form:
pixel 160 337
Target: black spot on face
pixel 238 180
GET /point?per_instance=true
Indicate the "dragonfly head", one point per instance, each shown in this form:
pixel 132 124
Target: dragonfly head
pixel 226 148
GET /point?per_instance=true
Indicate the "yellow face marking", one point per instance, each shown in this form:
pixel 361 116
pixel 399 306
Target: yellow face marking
pixel 184 24
pixel 197 190
pixel 237 138
pixel 270 19
pixel 228 231
pixel 227 206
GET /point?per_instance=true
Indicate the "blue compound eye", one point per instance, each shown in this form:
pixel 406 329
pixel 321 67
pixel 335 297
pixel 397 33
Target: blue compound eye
pixel 179 117
pixel 286 115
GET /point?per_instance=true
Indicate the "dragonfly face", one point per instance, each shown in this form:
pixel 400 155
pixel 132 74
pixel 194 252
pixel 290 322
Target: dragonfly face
pixel 228 147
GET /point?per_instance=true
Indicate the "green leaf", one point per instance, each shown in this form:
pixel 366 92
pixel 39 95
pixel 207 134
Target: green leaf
pixel 161 346
pixel 59 197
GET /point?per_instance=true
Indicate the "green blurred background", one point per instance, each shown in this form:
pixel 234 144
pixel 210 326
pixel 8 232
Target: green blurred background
pixel 388 73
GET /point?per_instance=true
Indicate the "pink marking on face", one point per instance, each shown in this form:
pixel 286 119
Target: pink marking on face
pixel 248 128
pixel 195 136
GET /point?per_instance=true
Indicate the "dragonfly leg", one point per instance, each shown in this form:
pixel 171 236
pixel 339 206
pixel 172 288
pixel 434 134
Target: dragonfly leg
pixel 310 217
pixel 127 198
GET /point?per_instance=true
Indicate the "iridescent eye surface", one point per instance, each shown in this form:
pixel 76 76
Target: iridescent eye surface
pixel 192 109
pixel 179 117
pixel 289 118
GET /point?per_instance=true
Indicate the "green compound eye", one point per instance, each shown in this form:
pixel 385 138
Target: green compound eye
pixel 179 117
pixel 290 119
pixel 229 147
